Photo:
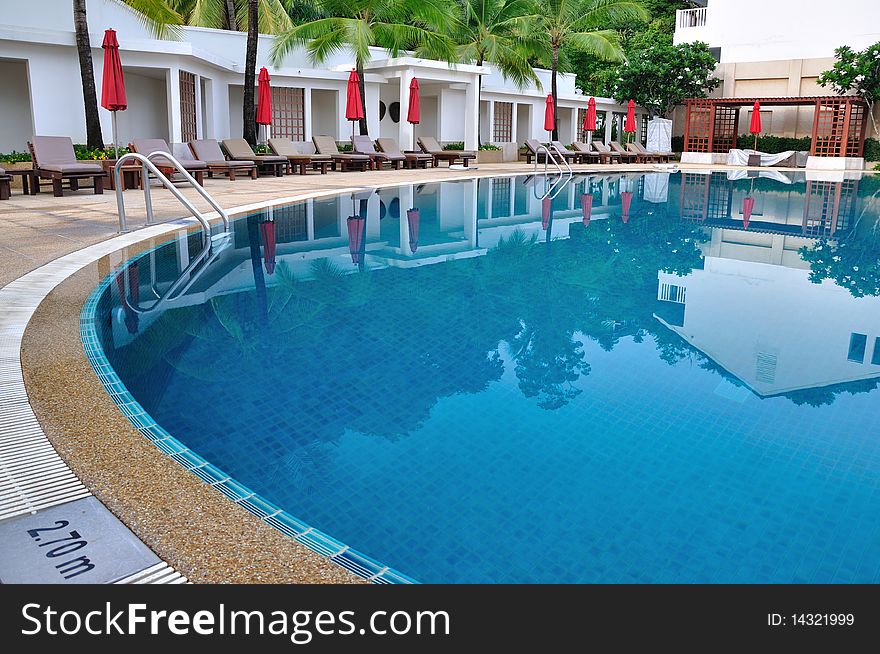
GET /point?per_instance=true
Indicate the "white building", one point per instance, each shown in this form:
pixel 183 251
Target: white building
pixel 192 87
pixel 778 49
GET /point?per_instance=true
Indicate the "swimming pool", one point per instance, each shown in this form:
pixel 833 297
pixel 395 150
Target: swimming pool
pixel 637 378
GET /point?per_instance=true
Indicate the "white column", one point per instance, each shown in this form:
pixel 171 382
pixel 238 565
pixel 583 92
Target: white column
pixel 172 85
pixel 470 213
pixel 572 132
pixel 513 124
pixel 490 122
pixel 307 113
pixel 471 111
pixel 609 117
pixel 404 127
pixel 200 127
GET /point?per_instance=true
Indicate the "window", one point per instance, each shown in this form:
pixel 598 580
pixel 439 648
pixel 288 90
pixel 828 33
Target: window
pixel 857 344
pixel 288 113
pixel 501 197
pixel 502 131
pixel 875 358
pixel 187 106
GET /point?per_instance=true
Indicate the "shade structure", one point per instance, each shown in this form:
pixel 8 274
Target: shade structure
pixel 354 107
pixel 629 126
pixel 414 113
pixel 546 212
pixel 267 234
pixel 113 81
pixel 748 207
pixel 412 220
pixel 549 114
pixel 356 241
pixel 586 208
pixel 625 202
pixel 590 116
pixel 264 98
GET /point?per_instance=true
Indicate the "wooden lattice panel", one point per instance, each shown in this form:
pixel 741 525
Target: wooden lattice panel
pixel 581 132
pixel 839 127
pixel 698 126
pixel 694 196
pixel 290 223
pixel 501 197
pixel 829 207
pixel 502 130
pixel 188 125
pixel 726 123
pixel 288 113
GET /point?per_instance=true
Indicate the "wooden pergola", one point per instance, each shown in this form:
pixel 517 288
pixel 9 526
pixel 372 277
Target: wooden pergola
pixel 839 123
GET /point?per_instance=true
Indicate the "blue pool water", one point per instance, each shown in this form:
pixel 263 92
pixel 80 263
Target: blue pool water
pixel 470 384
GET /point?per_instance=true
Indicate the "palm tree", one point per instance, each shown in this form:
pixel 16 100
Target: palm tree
pixel 582 25
pixel 356 25
pixel 256 16
pixel 159 18
pixel 497 31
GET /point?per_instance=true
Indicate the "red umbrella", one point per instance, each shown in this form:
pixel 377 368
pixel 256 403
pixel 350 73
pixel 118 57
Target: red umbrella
pixel 549 114
pixel 414 115
pixel 412 218
pixel 354 106
pixel 267 231
pixel 546 211
pixel 586 207
pixel 625 201
pixel 748 206
pixel 755 124
pixel 356 225
pixel 264 98
pixel 113 81
pixel 590 119
pixel 630 124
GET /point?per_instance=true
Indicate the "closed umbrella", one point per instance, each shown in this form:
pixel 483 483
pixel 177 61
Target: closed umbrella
pixel 412 219
pixel 354 106
pixel 356 242
pixel 264 98
pixel 267 232
pixel 590 120
pixel 549 114
pixel 748 205
pixel 586 208
pixel 414 114
pixel 630 124
pixel 625 202
pixel 113 82
pixel 755 124
pixel 546 212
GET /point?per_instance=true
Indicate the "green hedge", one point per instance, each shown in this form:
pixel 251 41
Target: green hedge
pixel 775 144
pixel 83 153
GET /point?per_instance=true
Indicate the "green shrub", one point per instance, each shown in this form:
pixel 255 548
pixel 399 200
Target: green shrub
pixel 455 145
pixel 261 148
pixel 344 147
pixel 774 144
pixel 85 153
pixel 872 150
pixel 15 157
pixel 486 146
pixel 677 143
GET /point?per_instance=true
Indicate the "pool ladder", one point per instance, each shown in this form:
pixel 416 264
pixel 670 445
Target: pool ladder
pixel 563 174
pixel 147 167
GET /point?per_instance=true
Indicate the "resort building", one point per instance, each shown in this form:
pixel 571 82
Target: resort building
pixel 191 88
pixel 776 49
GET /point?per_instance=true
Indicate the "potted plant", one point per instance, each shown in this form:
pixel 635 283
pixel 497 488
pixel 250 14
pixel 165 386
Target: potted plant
pixel 489 153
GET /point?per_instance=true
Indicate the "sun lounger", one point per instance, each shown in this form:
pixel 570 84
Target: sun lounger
pixel 559 148
pixel 271 163
pixel 327 145
pixel 611 155
pixel 5 185
pixel 588 154
pixel 298 157
pixel 412 159
pixel 429 145
pixel 624 155
pixel 364 145
pixel 535 150
pixel 55 159
pixel 656 156
pixel 194 167
pixel 208 150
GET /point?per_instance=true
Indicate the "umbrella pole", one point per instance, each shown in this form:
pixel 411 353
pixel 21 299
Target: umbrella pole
pixel 115 144
pixel 756 141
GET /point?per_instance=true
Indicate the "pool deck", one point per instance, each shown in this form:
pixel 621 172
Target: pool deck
pixel 188 524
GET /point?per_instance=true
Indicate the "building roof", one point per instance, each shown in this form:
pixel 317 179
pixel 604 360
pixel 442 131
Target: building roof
pixel 789 100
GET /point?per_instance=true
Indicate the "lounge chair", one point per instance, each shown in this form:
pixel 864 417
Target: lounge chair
pixel 588 154
pixel 430 145
pixel 625 155
pixel 55 159
pixel 535 150
pixel 656 156
pixel 240 150
pixel 611 155
pixel 570 155
pixel 5 185
pixel 194 167
pixel 208 150
pixel 327 145
pixel 298 157
pixel 364 145
pixel 412 159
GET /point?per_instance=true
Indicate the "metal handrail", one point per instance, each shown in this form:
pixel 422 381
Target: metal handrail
pixel 562 157
pixel 547 155
pixel 148 166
